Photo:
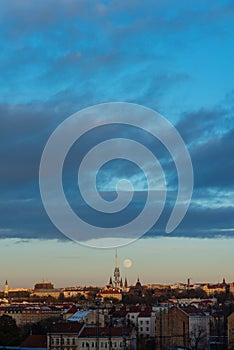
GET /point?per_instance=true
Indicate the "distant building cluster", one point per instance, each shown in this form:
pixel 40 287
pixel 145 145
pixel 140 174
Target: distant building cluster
pixel 120 316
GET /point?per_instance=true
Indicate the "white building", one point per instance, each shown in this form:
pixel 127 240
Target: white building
pixel 146 322
pixel 77 336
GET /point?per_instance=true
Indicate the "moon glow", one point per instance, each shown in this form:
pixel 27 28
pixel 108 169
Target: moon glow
pixel 127 263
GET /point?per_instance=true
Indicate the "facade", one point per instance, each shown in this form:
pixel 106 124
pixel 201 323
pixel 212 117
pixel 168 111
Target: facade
pixel 231 288
pixel 45 289
pixel 64 335
pixel 146 323
pixel 117 338
pixel 110 293
pixel 231 331
pixel 77 336
pixel 185 327
pixel 24 315
pixel 132 315
pixel 211 289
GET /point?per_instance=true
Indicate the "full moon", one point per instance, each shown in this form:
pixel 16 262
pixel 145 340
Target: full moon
pixel 127 263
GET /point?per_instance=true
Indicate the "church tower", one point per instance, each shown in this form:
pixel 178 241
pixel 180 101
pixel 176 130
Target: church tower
pixel 116 272
pixel 6 289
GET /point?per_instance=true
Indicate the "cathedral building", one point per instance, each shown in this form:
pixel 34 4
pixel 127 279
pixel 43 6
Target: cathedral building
pixel 115 287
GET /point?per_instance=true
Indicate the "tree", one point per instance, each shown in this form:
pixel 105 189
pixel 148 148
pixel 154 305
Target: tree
pixel 9 332
pixel 198 339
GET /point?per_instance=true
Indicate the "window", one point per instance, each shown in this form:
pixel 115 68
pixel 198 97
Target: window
pixel 68 341
pixel 73 341
pixel 147 322
pixel 141 322
pixel 57 341
pixel 141 329
pixel 232 330
pixel 83 344
pixel 147 329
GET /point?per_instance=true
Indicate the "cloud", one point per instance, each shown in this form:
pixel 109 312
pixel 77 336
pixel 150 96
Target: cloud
pixel 214 163
pixel 63 55
pixel 199 126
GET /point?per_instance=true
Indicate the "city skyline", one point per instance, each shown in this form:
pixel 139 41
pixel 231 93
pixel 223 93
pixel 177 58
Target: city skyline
pixel 165 56
pixel 70 267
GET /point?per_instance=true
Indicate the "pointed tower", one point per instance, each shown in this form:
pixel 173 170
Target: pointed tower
pixel 125 283
pixel 110 282
pixel 6 289
pixel 116 271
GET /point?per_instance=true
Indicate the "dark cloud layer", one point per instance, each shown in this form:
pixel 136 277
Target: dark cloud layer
pixel 60 56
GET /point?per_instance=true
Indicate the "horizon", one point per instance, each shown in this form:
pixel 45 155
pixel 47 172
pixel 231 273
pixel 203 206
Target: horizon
pixel 131 273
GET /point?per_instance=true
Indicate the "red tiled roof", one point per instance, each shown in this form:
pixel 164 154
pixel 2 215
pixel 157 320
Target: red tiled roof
pixel 145 313
pixel 120 313
pixel 72 310
pixel 134 309
pixel 34 341
pixel 190 310
pixel 105 331
pixel 66 327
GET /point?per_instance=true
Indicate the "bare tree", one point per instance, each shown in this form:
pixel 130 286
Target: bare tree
pixel 198 339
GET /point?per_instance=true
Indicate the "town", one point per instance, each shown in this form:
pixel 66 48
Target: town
pixel 118 316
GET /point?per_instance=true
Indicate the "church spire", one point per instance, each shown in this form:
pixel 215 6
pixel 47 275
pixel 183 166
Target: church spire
pixel 110 282
pixel 6 289
pixel 116 271
pixel 116 259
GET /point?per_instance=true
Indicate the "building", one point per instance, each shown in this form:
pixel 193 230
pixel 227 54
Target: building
pixel 110 293
pixel 146 322
pixel 118 283
pixel 74 292
pixel 64 334
pixel 231 331
pixel 89 317
pixel 70 312
pixel 117 338
pixel 6 289
pixel 185 327
pixel 75 335
pixel 115 287
pixel 211 289
pixel 45 289
pixel 132 315
pixel 231 287
pixel 35 341
pixel 137 290
pixel 30 314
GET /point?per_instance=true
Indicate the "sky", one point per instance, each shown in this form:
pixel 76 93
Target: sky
pixel 59 57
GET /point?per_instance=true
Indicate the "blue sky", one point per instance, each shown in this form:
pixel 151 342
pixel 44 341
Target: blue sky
pixel 58 57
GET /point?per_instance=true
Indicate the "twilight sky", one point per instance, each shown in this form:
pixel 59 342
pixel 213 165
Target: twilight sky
pixel 59 56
